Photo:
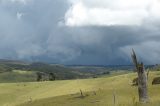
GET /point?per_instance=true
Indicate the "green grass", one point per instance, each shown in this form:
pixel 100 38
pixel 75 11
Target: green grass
pixel 67 92
pixel 115 73
pixel 17 76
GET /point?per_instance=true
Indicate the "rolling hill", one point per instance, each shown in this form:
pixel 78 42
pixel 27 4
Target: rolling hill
pixel 11 71
pixel 97 92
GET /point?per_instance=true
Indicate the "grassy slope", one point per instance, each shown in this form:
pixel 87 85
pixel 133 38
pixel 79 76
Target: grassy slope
pixel 66 93
pixel 17 76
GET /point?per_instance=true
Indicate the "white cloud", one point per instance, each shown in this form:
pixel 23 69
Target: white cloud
pixel 111 12
pixel 20 1
pixel 19 15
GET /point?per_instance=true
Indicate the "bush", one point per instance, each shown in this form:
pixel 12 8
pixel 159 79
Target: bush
pixel 52 77
pixel 108 72
pixel 135 82
pixel 156 80
pixel 39 76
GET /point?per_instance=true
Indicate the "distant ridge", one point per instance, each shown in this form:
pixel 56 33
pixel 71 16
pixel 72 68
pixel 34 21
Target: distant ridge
pixel 7 61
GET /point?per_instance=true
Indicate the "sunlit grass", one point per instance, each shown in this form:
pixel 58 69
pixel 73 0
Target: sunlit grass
pixel 67 92
pixel 17 76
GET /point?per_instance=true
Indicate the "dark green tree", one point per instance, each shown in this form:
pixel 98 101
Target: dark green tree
pixel 52 76
pixel 39 76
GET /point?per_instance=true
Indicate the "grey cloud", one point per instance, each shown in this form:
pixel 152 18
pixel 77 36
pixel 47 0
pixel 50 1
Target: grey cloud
pixel 37 36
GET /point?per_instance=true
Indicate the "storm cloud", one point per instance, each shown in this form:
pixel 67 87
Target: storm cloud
pixel 55 31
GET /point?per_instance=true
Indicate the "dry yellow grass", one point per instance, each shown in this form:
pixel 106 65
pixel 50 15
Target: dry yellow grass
pixel 66 93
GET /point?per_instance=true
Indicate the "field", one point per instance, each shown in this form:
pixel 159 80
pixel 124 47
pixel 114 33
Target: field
pixel 17 76
pixel 106 91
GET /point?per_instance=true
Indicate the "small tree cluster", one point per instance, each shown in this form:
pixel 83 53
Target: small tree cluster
pixel 45 76
pixel 52 77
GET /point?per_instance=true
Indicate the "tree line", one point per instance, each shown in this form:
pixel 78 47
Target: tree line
pixel 41 76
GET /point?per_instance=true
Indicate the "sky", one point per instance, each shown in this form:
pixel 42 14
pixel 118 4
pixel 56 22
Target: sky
pixel 80 32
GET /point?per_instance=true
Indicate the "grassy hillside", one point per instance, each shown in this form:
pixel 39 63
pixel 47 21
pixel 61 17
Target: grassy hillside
pixel 61 72
pixel 17 76
pixel 98 92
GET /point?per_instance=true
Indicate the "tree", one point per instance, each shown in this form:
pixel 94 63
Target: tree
pixel 52 76
pixel 39 76
pixel 142 79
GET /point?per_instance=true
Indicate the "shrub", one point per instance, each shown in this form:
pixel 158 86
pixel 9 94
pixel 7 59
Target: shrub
pixel 156 80
pixel 52 77
pixel 135 82
pixel 39 76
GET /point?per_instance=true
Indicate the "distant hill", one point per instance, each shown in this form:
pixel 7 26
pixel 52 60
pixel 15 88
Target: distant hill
pixel 5 61
pixel 62 72
pixel 7 73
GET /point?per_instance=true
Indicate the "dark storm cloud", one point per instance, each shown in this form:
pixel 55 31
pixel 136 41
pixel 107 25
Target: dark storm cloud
pixel 112 45
pixel 35 31
pixel 26 35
